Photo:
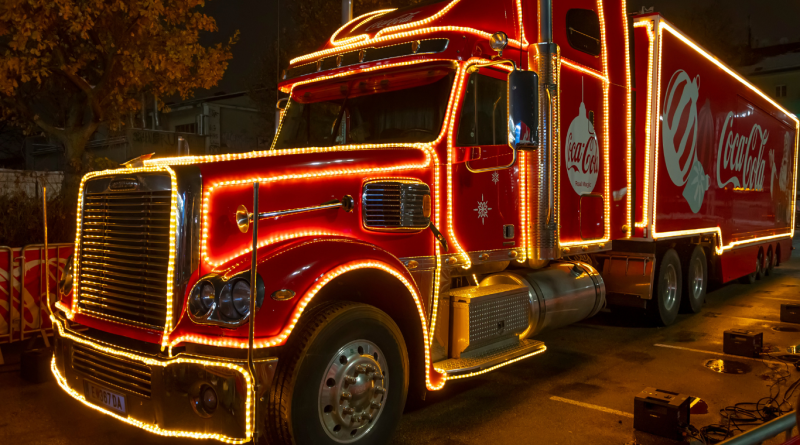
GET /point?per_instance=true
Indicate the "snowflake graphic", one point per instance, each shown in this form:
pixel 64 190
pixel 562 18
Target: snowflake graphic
pixel 483 210
pixel 495 177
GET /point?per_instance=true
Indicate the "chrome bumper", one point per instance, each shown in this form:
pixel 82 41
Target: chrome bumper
pixel 165 405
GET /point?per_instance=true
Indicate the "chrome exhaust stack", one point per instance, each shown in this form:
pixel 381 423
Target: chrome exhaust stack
pixel 545 60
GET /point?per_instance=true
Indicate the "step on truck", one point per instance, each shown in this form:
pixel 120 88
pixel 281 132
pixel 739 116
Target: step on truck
pixel 447 182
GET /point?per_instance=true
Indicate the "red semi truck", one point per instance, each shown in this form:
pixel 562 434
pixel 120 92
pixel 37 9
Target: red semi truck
pixel 447 182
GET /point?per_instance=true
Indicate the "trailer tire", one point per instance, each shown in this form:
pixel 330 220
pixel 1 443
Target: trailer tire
pixel 696 285
pixel 760 265
pixel 339 347
pixel 663 308
pixel 770 261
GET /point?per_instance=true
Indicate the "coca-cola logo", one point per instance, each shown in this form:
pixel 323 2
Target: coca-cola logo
pixel 679 138
pixel 405 18
pixel 581 154
pixel 740 158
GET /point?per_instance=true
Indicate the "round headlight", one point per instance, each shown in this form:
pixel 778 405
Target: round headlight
pixel 202 303
pixel 234 300
pixel 65 285
pixel 241 297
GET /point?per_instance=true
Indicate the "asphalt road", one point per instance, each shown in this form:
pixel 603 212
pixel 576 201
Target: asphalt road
pixel 580 391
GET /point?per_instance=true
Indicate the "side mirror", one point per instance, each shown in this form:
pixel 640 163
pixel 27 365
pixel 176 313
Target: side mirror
pixel 523 110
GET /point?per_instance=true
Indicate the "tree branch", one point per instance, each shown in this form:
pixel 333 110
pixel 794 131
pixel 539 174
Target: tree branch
pixel 82 84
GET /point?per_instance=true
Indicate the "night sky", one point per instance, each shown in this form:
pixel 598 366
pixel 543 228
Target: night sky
pixel 257 22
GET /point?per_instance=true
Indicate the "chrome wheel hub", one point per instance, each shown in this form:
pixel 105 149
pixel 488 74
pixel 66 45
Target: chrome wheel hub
pixel 670 287
pixel 697 278
pixel 353 391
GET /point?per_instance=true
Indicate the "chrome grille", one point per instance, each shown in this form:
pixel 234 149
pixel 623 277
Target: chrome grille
pixel 124 256
pixel 396 205
pixel 129 375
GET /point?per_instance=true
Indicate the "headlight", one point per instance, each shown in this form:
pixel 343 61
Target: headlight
pixel 65 285
pixel 234 300
pixel 201 301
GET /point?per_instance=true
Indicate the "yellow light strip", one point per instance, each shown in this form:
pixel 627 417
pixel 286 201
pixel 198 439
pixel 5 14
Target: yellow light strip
pixel 153 362
pixel 513 43
pixel 326 173
pixel 657 109
pixel 648 25
pixel 418 23
pixel 520 19
pixel 607 125
pixel 665 25
pixel 367 16
pixel 720 247
pixel 484 371
pixel 606 139
pixel 584 69
pixel 68 312
pixel 325 279
pixel 628 127
pixel 173 224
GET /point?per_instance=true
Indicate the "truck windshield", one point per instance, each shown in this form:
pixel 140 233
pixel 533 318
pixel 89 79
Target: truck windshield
pixel 389 108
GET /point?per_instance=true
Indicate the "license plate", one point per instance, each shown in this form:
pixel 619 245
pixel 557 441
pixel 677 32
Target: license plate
pixel 105 398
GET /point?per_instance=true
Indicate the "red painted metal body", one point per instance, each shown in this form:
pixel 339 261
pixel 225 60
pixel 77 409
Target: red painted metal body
pixel 610 177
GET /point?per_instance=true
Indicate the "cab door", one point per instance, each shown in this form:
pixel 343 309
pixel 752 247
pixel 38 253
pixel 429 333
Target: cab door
pixel 485 172
pixel 583 122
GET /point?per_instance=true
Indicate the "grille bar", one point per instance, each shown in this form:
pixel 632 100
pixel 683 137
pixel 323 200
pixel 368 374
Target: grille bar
pixel 128 375
pixel 395 205
pixel 124 256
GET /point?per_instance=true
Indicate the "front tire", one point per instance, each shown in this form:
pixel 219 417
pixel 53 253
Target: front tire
pixel 694 294
pixel 663 308
pixel 342 378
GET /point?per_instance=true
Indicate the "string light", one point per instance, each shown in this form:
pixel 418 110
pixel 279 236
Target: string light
pixel 173 224
pixel 155 429
pixel 606 140
pixel 648 25
pixel 280 339
pixel 654 103
pixel 629 122
pixel 366 17
pixel 492 368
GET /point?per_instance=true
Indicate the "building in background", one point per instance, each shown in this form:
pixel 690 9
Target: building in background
pixel 778 74
pixel 222 123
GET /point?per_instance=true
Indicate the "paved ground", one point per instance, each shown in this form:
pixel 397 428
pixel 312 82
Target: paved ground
pixel 603 362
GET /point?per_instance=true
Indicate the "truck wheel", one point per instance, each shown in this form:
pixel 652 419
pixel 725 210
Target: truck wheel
pixel 770 262
pixel 760 266
pixel 694 294
pixel 342 378
pixel 667 299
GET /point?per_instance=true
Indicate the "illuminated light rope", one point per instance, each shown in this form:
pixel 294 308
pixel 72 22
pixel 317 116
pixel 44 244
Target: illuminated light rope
pixel 155 429
pixel 492 368
pixel 327 173
pixel 173 224
pixel 295 317
pixel 720 247
pixel 585 69
pixel 606 139
pixel 522 37
pixel 513 43
pixel 628 128
pixel 366 17
pixel 648 25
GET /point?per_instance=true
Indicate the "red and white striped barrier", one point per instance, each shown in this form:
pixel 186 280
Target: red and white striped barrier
pixel 23 310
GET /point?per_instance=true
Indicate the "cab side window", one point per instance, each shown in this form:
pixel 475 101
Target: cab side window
pixel 484 114
pixel 583 31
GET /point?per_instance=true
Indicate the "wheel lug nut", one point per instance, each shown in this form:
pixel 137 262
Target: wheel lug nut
pixel 375 405
pixel 346 395
pixel 350 379
pixel 369 417
pixel 362 369
pixel 379 390
pixel 377 376
pixel 348 411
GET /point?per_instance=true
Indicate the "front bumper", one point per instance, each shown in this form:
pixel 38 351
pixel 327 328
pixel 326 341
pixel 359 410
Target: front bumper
pixel 164 403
